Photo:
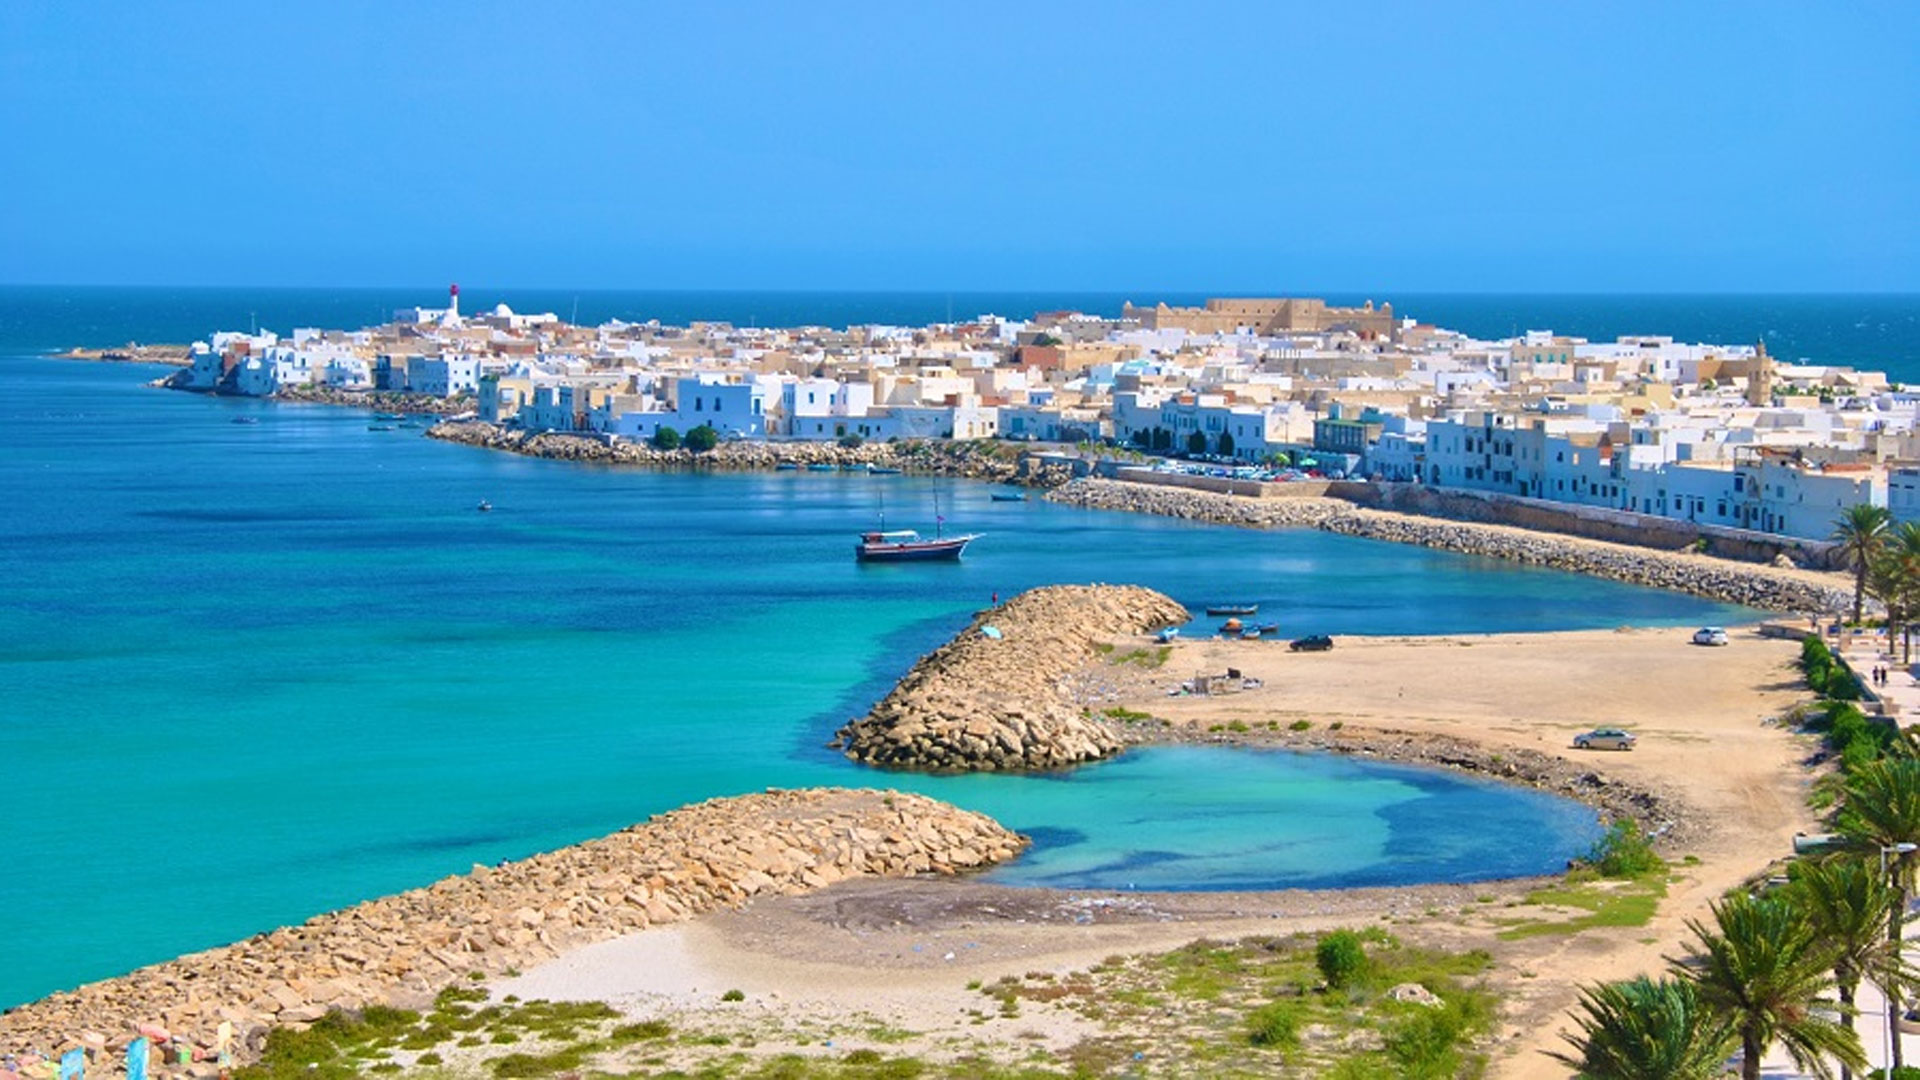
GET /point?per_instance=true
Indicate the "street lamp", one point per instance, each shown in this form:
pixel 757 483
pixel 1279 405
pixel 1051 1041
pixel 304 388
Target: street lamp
pixel 1899 917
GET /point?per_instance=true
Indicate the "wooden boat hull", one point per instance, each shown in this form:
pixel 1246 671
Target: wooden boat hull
pixel 948 550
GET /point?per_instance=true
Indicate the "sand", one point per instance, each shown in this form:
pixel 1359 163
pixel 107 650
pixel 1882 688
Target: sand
pixel 897 956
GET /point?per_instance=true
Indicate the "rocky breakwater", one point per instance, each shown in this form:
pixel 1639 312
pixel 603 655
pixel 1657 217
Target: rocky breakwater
pixel 977 460
pixel 996 696
pixel 1770 588
pixel 400 950
pixel 1752 585
pixel 1176 502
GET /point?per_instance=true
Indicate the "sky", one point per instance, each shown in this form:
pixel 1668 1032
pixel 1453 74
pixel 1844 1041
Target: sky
pixel 1264 146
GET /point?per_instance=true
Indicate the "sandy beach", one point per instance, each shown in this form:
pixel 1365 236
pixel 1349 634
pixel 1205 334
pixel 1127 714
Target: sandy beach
pixel 906 959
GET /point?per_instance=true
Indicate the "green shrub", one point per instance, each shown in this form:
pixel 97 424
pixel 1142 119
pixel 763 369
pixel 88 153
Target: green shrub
pixel 851 441
pixel 702 439
pixel 1624 852
pixel 1275 1024
pixel 1426 1045
pixel 643 1031
pixel 665 438
pixel 1300 725
pixel 734 995
pixel 1342 959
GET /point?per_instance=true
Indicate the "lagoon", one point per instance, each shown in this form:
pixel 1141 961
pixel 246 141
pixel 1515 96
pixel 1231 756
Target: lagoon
pixel 256 671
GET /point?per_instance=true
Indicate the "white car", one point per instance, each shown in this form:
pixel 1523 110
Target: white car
pixel 1710 635
pixel 1606 738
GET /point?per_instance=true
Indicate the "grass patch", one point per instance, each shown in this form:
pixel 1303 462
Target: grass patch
pixel 1630 902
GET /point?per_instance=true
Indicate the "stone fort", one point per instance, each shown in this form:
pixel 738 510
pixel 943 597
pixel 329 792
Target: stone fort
pixel 1267 317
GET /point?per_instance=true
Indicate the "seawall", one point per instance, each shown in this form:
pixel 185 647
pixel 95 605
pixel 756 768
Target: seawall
pixel 987 702
pixel 1769 588
pixel 401 950
pixel 971 460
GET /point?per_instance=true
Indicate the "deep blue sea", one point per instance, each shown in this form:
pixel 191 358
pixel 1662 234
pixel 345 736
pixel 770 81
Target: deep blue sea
pixel 250 672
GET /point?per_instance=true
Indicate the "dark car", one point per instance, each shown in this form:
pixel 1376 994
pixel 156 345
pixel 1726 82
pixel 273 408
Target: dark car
pixel 1311 643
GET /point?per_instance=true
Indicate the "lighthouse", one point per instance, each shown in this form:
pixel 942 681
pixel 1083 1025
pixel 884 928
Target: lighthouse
pixel 453 300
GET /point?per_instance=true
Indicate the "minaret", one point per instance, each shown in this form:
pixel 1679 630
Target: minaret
pixel 1760 378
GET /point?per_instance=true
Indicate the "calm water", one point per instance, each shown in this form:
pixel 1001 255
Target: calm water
pixel 253 672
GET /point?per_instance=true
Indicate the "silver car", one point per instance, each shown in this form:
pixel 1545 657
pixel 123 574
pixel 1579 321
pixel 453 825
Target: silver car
pixel 1606 738
pixel 1710 635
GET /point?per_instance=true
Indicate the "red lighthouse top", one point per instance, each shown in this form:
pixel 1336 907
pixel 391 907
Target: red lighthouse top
pixel 453 290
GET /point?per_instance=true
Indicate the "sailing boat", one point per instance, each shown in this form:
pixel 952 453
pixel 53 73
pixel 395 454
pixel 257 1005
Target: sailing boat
pixel 906 545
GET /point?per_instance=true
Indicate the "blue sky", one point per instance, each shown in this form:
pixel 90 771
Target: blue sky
pixel 1184 147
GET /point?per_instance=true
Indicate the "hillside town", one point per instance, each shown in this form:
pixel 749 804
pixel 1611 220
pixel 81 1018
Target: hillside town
pixel 1718 435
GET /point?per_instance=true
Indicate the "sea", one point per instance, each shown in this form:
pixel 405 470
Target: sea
pixel 250 672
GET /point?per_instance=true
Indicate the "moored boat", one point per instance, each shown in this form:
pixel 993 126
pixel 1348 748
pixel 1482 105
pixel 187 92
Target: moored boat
pixel 379 427
pixel 388 416
pixel 906 545
pixel 821 467
pixel 1009 496
pixel 880 470
pixel 785 466
pixel 1233 609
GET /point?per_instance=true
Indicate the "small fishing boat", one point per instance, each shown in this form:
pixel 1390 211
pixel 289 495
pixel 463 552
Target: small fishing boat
pixel 821 467
pixel 388 416
pixel 876 470
pixel 1167 634
pixel 1232 626
pixel 246 419
pixel 906 545
pixel 484 506
pixel 379 427
pixel 786 466
pixel 1009 496
pixel 855 467
pixel 1233 609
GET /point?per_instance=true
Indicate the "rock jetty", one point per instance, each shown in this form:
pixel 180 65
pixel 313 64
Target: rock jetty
pixel 975 460
pixel 1769 588
pixel 401 950
pixel 996 698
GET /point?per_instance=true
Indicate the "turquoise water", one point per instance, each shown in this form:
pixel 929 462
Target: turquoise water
pixel 254 672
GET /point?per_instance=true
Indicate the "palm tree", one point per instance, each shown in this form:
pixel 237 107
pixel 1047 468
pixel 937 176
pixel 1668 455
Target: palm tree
pixel 1891 579
pixel 1904 551
pixel 1861 531
pixel 1847 901
pixel 1763 969
pixel 1882 814
pixel 1647 1029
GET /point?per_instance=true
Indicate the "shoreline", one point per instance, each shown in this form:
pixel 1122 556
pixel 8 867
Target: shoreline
pixel 1794 590
pixel 1487 750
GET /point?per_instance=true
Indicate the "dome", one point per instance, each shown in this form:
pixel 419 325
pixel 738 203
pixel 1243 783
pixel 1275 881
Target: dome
pixel 503 311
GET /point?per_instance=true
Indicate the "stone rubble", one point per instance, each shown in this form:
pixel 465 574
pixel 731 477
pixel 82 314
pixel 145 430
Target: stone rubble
pixel 978 460
pixel 401 950
pixel 982 703
pixel 1769 588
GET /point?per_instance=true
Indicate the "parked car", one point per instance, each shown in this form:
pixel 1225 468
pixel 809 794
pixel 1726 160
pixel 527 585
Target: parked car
pixel 1606 738
pixel 1311 643
pixel 1709 635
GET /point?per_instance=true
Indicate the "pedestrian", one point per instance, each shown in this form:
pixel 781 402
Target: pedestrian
pixel 996 601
